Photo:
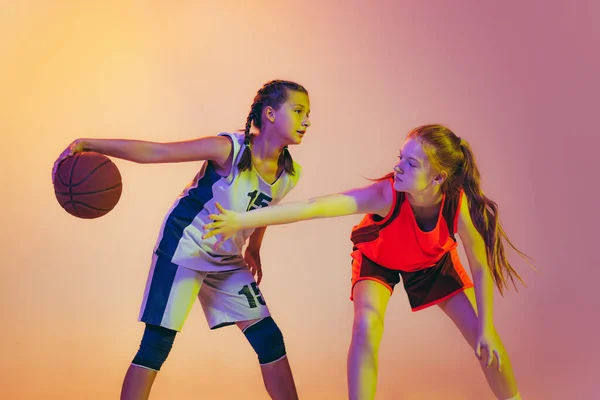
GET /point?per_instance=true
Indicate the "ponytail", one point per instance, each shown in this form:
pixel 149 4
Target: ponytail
pixel 272 94
pixel 285 160
pixel 246 159
pixel 484 213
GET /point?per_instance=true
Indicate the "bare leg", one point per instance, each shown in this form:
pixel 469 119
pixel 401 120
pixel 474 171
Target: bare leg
pixel 370 302
pixel 461 309
pixel 138 382
pixel 277 375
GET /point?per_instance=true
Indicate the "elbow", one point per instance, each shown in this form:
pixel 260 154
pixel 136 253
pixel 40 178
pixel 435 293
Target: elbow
pixel 478 267
pixel 149 154
pixel 141 159
pixel 310 209
pixel 317 208
pixel 478 273
pixel 144 160
pixel 481 274
pixel 327 207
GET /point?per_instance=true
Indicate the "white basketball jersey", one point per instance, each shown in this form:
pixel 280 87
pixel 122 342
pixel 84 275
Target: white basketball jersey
pixel 181 233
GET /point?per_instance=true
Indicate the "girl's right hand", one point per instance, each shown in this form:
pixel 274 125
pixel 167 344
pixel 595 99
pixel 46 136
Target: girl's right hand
pixel 75 147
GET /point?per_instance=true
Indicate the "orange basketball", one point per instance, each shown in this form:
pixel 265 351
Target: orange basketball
pixel 87 185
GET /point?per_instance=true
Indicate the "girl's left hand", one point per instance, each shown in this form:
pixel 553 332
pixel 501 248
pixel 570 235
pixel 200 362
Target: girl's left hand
pixel 487 340
pixel 252 259
pixel 225 224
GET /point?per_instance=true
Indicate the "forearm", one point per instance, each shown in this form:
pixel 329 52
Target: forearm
pixel 256 238
pixel 322 207
pixel 484 294
pixel 131 150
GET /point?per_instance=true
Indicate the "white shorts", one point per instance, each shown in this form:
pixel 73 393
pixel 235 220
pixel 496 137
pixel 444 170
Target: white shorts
pixel 226 297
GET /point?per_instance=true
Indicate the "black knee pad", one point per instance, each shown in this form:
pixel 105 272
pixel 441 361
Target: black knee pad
pixel 266 340
pixel 155 347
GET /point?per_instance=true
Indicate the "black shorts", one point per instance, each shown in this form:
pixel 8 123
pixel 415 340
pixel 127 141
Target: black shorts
pixel 425 287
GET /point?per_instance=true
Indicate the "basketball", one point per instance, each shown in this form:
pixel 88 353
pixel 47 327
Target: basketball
pixel 87 185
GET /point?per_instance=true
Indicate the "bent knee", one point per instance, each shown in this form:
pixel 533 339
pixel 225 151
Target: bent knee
pixel 266 339
pixel 155 347
pixel 368 328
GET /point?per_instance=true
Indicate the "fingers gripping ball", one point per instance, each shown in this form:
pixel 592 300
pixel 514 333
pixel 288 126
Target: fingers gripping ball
pixel 88 185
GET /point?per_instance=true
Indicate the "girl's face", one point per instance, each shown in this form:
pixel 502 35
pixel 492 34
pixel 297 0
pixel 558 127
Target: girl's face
pixel 291 119
pixel 413 172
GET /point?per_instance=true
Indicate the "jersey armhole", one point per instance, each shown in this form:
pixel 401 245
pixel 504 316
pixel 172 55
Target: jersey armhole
pixel 292 180
pixel 297 170
pixel 377 219
pixel 235 149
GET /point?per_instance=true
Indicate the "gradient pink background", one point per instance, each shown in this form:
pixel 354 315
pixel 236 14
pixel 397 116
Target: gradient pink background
pixel 517 79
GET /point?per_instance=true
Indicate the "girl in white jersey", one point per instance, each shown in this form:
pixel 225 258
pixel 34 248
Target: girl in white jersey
pixel 244 172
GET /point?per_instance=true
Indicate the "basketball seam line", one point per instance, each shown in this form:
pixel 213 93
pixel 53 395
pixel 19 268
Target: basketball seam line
pixel 87 205
pixel 70 180
pixel 89 174
pixel 84 193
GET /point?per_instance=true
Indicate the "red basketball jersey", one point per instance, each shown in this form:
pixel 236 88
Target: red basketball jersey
pixel 396 241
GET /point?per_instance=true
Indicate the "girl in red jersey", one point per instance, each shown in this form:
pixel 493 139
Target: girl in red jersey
pixel 408 232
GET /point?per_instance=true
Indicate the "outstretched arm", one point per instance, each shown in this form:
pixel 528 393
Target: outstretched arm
pixel 375 198
pixel 215 148
pixel 205 148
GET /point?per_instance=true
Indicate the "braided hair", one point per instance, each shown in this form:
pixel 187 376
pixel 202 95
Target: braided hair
pixel 272 94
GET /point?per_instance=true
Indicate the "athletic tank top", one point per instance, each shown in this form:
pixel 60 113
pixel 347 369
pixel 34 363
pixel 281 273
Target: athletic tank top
pixel 396 241
pixel 180 237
